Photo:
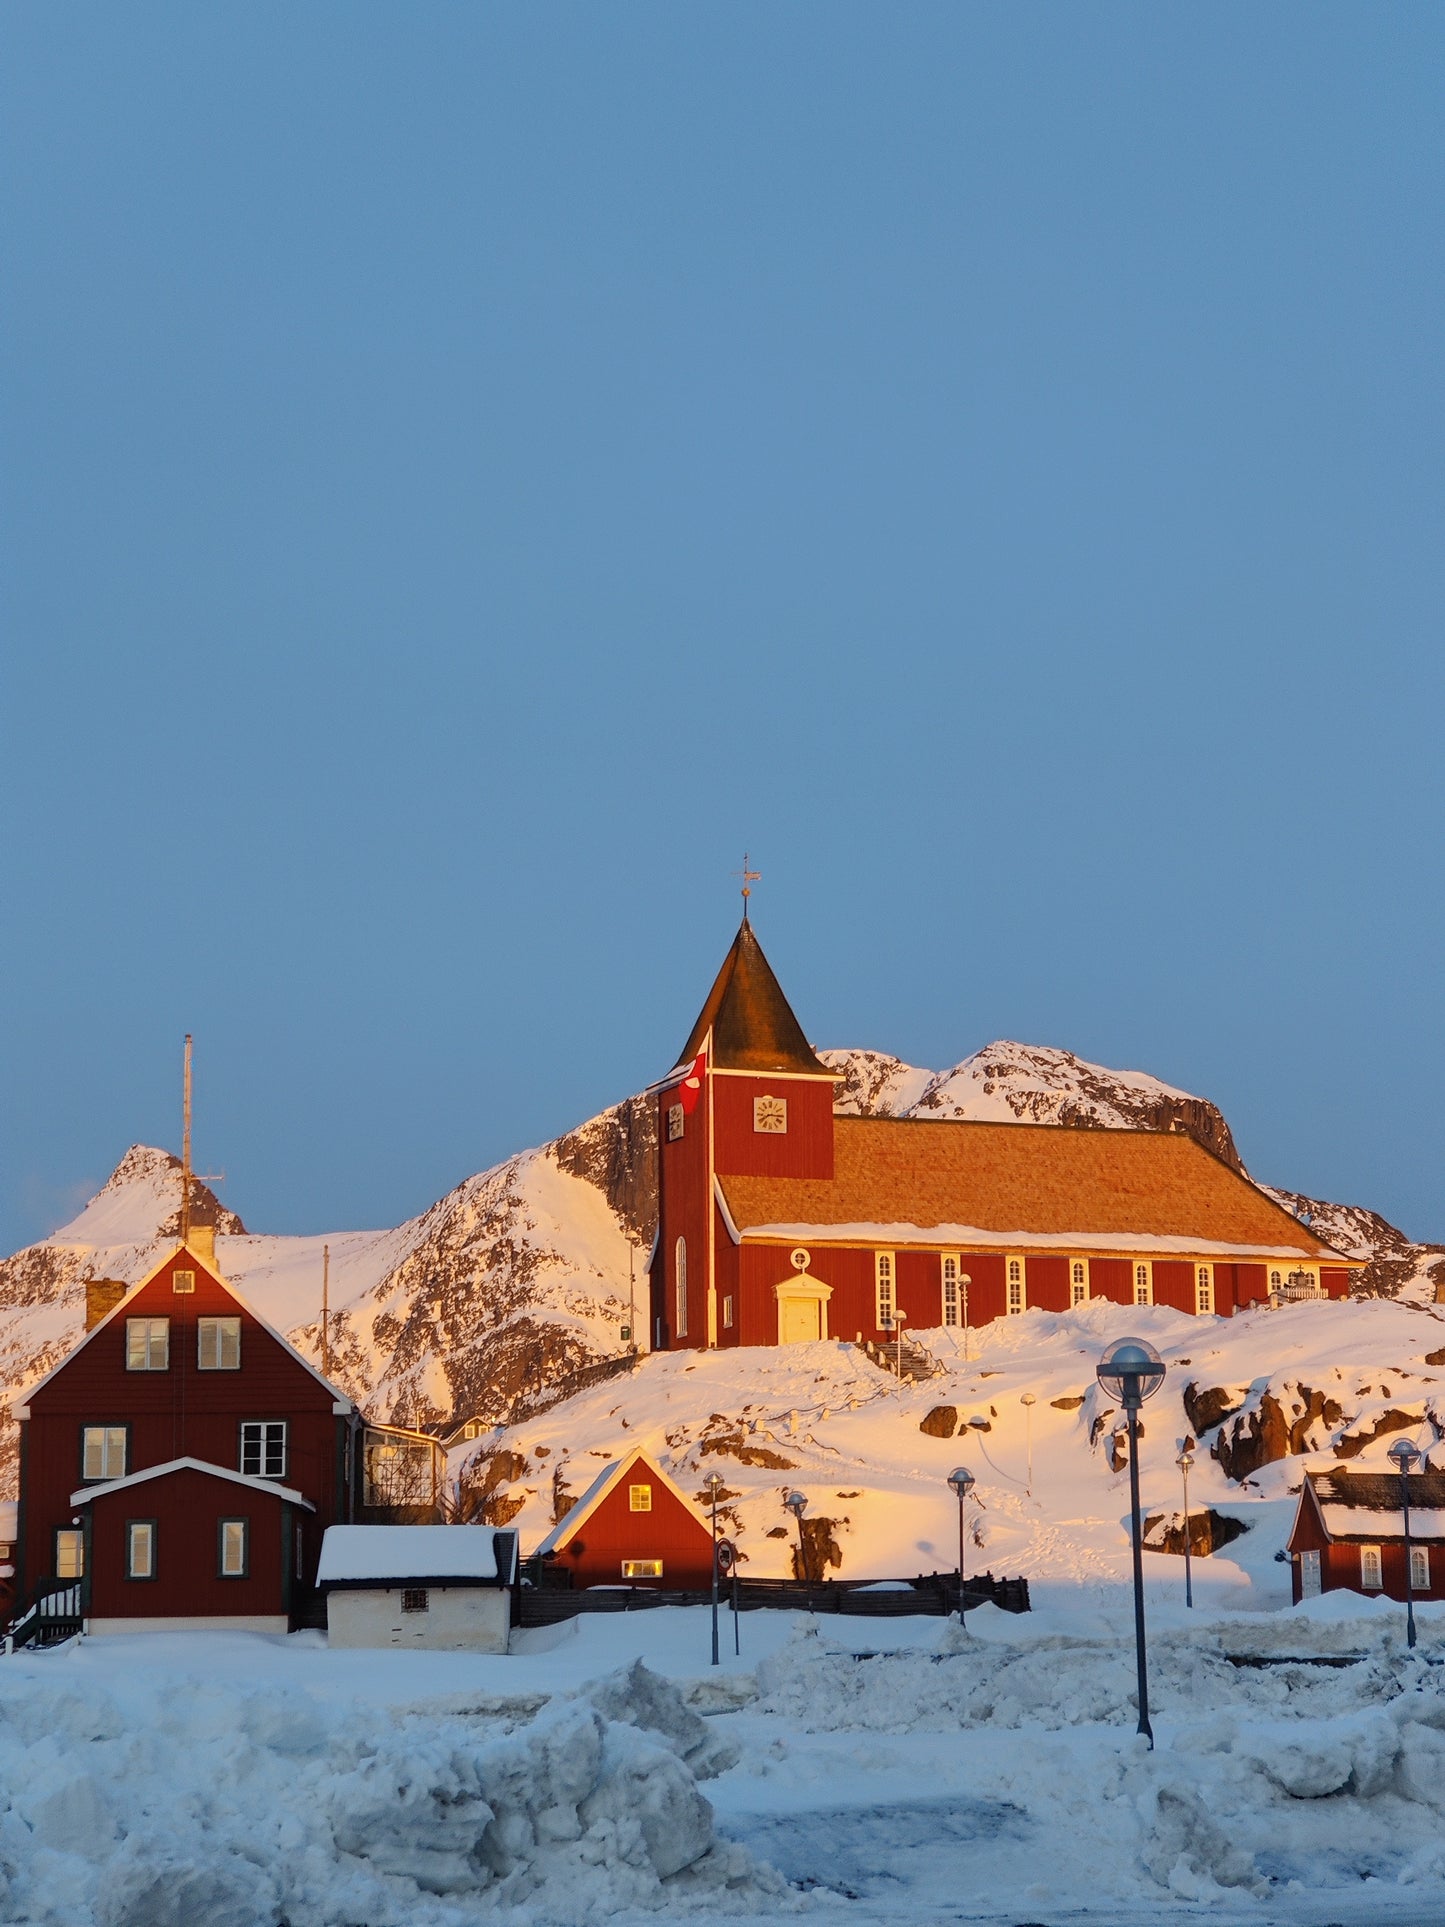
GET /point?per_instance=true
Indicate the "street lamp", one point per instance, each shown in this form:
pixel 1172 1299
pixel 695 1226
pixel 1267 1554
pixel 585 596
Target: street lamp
pixel 797 1504
pixel 1405 1456
pixel 1028 1401
pixel 964 1281
pixel 713 1482
pixel 1184 1462
pixel 1132 1371
pixel 963 1482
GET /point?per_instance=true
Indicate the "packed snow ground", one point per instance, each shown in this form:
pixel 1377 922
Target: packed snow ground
pixel 842 1771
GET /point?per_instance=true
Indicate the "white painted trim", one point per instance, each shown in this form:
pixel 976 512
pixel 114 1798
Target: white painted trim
pixel 1145 1265
pixel 795 1077
pixel 1203 1311
pixel 880 1323
pixel 1012 1258
pixel 568 1526
pixel 1088 1282
pixel 248 1479
pixel 729 1223
pixel 976 1238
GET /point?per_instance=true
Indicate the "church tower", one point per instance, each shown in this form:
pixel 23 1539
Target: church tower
pixel 748 1098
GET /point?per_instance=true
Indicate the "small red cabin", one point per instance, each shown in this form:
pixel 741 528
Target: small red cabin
pixel 1349 1534
pixel 633 1526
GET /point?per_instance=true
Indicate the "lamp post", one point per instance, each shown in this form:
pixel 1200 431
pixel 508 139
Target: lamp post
pixel 1132 1371
pixel 726 1561
pixel 1405 1456
pixel 898 1318
pixel 1028 1401
pixel 1184 1462
pixel 713 1481
pixel 964 1281
pixel 963 1482
pixel 797 1504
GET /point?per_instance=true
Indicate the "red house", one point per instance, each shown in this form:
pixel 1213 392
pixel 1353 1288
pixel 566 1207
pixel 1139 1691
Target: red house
pixel 180 1465
pixel 780 1221
pixel 632 1526
pixel 1349 1534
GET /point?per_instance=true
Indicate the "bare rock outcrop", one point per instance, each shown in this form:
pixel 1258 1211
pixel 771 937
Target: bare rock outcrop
pixel 1208 1531
pixel 1274 1430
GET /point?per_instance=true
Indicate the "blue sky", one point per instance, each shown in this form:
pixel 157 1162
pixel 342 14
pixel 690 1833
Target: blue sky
pixel 471 471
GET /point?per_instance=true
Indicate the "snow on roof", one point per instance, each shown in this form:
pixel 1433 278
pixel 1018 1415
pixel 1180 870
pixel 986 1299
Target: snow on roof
pixel 972 1237
pixel 351 1555
pixel 1366 1505
pixel 574 1520
pixel 89 1492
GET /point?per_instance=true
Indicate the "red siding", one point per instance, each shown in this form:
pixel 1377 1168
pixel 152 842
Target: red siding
pixel 671 1531
pixel 187 1508
pixel 1112 1278
pixel 1175 1284
pixel 1250 1286
pixel 804 1150
pixel 684 1203
pixel 1336 1283
pixel 1047 1282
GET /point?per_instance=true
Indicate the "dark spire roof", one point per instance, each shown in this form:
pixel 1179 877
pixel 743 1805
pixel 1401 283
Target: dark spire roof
pixel 753 1027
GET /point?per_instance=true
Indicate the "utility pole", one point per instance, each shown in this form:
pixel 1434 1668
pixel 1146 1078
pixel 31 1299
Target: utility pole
pixel 325 1311
pixel 186 1147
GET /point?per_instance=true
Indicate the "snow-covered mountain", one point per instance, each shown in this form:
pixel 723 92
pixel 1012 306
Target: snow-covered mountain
pixel 527 1273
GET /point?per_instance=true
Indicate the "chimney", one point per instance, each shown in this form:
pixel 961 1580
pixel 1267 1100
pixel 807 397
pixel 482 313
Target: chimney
pixel 202 1242
pixel 102 1295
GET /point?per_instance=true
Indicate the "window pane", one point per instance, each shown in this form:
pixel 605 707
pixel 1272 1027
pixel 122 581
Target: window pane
pixel 640 1498
pixel 140 1546
pixel 69 1554
pixel 233 1548
pixel 147 1344
pixel 218 1344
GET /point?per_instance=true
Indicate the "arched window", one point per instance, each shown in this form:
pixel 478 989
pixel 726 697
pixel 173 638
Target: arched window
pixel 1143 1285
pixel 1017 1298
pixel 1079 1282
pixel 950 1288
pixel 1204 1290
pixel 883 1289
pixel 680 1286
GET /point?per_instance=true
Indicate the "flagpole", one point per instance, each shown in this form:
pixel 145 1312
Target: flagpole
pixel 710 1206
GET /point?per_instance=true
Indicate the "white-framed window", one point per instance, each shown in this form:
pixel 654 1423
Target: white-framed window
pixel 70 1553
pixel 770 1114
pixel 218 1344
pixel 679 1286
pixel 235 1548
pixel 727 1311
pixel 1204 1289
pixel 1309 1575
pixel 1079 1281
pixel 1143 1283
pixel 1372 1575
pixel 676 1123
pixel 140 1549
pixel 1016 1297
pixel 883 1299
pixel 263 1448
pixel 147 1344
pixel 951 1270
pixel 639 1498
pixel 642 1569
pixel 182 1282
pixel 415 1599
pixel 1419 1569
pixel 1276 1279
pixel 102 1452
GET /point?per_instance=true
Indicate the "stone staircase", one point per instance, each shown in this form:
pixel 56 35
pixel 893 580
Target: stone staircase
pixel 915 1359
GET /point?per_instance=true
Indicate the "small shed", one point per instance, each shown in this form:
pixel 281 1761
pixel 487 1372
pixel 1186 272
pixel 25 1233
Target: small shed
pixel 431 1588
pixel 632 1526
pixel 1349 1533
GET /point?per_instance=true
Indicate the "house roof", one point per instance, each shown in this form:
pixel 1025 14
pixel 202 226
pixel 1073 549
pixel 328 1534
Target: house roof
pixel 752 1023
pixel 416 1555
pixel 268 1486
pixel 567 1527
pixel 341 1405
pixel 1365 1506
pixel 907 1180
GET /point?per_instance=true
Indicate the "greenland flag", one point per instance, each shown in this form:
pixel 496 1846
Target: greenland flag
pixel 690 1090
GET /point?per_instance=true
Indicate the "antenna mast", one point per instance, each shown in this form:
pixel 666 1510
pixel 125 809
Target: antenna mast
pixel 186 1149
pixel 325 1311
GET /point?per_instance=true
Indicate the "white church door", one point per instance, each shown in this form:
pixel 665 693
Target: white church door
pixel 799 1320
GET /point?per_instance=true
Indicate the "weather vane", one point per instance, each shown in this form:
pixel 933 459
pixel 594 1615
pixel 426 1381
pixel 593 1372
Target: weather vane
pixel 749 877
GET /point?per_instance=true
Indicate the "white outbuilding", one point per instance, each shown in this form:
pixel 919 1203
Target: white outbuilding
pixel 438 1588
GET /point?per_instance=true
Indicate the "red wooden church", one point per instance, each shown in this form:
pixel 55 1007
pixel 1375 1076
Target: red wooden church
pixel 780 1221
pixel 632 1526
pixel 179 1467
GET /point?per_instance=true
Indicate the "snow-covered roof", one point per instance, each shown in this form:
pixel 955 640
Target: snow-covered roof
pixel 381 1555
pixel 573 1521
pixel 1366 1505
pixel 269 1486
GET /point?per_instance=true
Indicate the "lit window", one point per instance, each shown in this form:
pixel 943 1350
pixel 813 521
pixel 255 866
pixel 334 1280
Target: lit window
pixel 1079 1282
pixel 70 1553
pixel 639 1498
pixel 642 1569
pixel 680 1286
pixel 102 1454
pixel 218 1344
pixel 1143 1284
pixel 676 1123
pixel 1419 1569
pixel 182 1282
pixel 1372 1577
pixel 727 1311
pixel 140 1549
pixel 883 1289
pixel 770 1114
pixel 1204 1290
pixel 950 1288
pixel 263 1448
pixel 415 1599
pixel 1017 1299
pixel 235 1535
pixel 147 1344
pixel 1276 1279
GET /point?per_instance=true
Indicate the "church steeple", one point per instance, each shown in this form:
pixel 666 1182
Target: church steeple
pixel 752 1024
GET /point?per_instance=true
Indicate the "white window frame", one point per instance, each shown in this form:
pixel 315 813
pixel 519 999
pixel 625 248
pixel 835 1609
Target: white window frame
pixel 1015 1284
pixel 108 1461
pixel 676 1123
pixel 639 1498
pixel 1419 1568
pixel 182 1282
pixel 148 1344
pixel 727 1311
pixel 885 1288
pixel 679 1286
pixel 950 1267
pixel 1311 1575
pixel 73 1539
pixel 1372 1569
pixel 235 1549
pixel 1079 1288
pixel 265 1447
pixel 1204 1291
pixel 218 1331
pixel 140 1533
pixel 1142 1279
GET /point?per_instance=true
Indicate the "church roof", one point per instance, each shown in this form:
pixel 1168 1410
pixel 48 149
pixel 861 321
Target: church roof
pixel 752 1023
pixel 1366 1505
pixel 900 1181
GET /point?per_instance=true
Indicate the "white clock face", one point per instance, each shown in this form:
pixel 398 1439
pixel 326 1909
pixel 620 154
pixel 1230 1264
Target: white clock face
pixel 770 1114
